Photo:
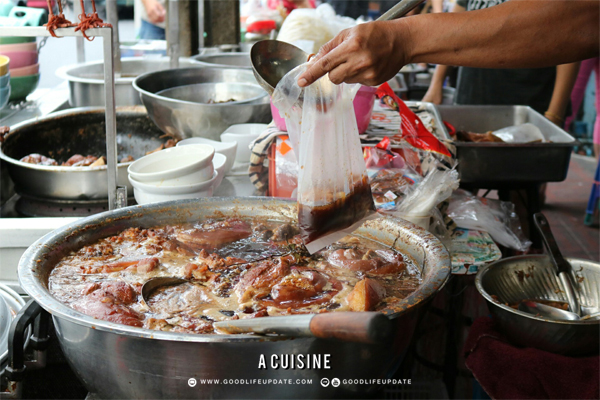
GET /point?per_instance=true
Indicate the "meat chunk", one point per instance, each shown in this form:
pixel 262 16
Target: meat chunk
pixel 38 159
pixel 216 234
pixel 284 232
pixel 376 262
pixel 79 161
pixel 108 301
pixel 147 264
pixel 127 159
pixel 301 284
pixel 257 282
pixel 366 295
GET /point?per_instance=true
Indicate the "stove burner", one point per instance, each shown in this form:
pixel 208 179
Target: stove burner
pixel 31 206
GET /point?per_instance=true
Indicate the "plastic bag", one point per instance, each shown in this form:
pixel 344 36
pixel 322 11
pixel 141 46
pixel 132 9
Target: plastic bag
pixel 436 187
pixel 525 133
pixel 495 217
pixel 334 195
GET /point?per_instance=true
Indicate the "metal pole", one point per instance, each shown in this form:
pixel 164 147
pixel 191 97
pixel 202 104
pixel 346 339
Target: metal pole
pixel 112 15
pixel 173 33
pixel 200 24
pixel 111 120
pixel 79 40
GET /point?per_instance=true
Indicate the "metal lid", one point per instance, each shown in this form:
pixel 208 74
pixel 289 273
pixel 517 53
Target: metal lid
pixel 10 304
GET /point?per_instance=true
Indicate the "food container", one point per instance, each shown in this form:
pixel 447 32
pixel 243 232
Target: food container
pixel 22 86
pixel 86 81
pixel 176 166
pixel 487 165
pixel 146 193
pixel 118 361
pixel 188 119
pixel 534 277
pixel 216 93
pixel 225 60
pixel 243 135
pixel 75 131
pixel 25 71
pixel 227 149
pixel 20 59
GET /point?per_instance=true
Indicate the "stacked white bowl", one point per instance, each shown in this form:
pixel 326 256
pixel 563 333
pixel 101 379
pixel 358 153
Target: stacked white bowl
pixel 185 172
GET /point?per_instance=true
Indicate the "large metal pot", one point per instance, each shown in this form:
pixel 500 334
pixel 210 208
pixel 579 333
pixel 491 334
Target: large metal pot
pixel 86 81
pixel 225 60
pixel 188 118
pixel 118 361
pixel 75 131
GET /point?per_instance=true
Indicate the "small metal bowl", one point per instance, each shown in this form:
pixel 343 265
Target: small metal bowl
pixel 533 277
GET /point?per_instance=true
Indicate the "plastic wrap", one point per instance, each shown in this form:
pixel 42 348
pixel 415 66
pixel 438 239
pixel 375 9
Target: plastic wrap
pixel 496 217
pixel 333 195
pixel 310 29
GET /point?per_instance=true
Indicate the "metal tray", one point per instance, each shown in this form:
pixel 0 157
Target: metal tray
pixel 496 165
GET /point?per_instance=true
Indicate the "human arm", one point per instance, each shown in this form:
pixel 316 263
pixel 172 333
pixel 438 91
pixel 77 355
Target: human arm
pixel 155 11
pixel 437 6
pixel 566 75
pixel 497 37
pixel 435 91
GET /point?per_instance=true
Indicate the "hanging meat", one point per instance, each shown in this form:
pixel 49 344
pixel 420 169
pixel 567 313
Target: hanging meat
pixel 89 21
pixel 56 21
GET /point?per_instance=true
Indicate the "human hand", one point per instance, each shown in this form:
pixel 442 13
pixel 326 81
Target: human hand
pixel 155 10
pixel 370 53
pixel 434 95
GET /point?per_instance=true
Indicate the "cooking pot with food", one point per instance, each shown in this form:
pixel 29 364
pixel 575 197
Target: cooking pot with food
pixel 120 361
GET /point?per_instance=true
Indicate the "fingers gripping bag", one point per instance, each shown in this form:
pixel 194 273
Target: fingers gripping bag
pixel 334 196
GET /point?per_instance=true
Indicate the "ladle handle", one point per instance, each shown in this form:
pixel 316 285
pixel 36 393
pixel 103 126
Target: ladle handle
pixel 563 268
pixel 399 10
pixel 363 327
pixel 557 258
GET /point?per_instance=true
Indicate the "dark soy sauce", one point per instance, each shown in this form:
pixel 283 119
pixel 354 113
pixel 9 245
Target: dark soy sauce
pixel 315 222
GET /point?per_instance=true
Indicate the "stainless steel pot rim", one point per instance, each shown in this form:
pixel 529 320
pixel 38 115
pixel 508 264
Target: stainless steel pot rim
pixel 66 113
pixel 489 299
pixel 263 100
pixel 37 291
pixel 63 72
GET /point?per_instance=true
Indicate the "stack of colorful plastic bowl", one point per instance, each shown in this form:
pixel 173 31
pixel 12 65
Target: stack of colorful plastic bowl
pixel 4 81
pixel 24 67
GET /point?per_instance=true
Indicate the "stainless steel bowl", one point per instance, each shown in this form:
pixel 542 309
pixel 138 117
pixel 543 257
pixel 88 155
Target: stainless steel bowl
pixel 69 132
pixel 215 93
pixel 225 60
pixel 119 361
pixel 188 119
pixel 86 81
pixel 533 277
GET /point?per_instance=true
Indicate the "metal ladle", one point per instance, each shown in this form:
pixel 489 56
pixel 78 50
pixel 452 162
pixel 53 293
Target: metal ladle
pixel 546 311
pixel 162 281
pixel 272 59
pixel 363 327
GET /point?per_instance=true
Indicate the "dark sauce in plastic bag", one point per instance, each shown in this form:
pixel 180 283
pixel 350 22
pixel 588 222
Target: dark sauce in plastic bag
pixel 318 221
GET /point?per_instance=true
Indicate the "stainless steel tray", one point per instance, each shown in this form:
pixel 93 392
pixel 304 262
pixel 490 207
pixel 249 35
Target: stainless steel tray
pixel 495 165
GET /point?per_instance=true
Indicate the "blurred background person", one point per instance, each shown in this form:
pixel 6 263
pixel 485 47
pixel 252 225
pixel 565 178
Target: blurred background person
pixel 153 16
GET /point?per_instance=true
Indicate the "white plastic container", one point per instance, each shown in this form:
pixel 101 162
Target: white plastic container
pixel 243 134
pixel 227 149
pixel 147 193
pixel 175 166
